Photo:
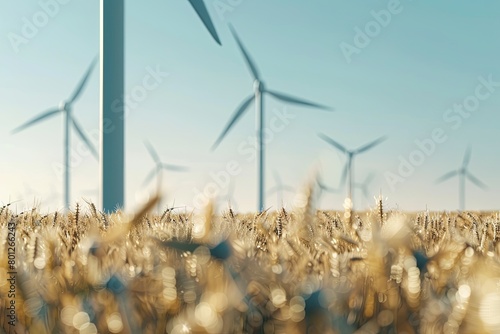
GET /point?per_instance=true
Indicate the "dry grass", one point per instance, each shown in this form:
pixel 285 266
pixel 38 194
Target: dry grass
pixel 275 272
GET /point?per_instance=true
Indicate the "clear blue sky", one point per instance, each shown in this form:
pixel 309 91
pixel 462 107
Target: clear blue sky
pixel 427 58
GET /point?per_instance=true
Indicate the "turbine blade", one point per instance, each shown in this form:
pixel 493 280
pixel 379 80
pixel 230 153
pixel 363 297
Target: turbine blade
pixel 237 114
pixel 446 176
pixel 364 190
pixel 369 179
pixel 364 186
pixel 152 152
pixel 296 100
pixel 476 181
pixel 42 116
pixel 324 187
pixel 248 59
pixel 84 137
pixel 201 10
pixel 332 142
pixel 150 176
pixel 175 168
pixel 83 82
pixel 466 159
pixel 370 145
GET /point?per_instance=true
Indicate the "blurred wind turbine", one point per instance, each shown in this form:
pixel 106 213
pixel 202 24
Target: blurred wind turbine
pixel 349 168
pixel 112 117
pixel 279 188
pixel 363 186
pixel 323 187
pixel 66 108
pixel 463 173
pixel 159 168
pixel 258 98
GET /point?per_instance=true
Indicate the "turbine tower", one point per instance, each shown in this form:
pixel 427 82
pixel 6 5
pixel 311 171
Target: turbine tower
pixel 258 98
pixel 463 173
pixel 351 154
pixel 112 91
pixel 66 108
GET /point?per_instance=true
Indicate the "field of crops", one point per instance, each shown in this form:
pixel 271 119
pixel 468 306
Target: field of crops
pixel 290 271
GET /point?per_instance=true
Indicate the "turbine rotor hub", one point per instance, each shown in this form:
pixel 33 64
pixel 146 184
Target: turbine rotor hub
pixel 64 105
pixel 258 86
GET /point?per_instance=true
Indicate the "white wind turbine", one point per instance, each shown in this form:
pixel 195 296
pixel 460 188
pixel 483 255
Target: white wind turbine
pixel 112 90
pixel 159 168
pixel 258 98
pixel 351 154
pixel 463 173
pixel 363 186
pixel 66 108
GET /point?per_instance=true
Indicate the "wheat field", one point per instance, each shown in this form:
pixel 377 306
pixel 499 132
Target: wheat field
pixel 289 271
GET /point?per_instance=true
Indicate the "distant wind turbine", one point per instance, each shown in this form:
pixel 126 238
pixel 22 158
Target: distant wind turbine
pixel 279 188
pixel 349 167
pixel 363 186
pixel 463 173
pixel 159 167
pixel 66 108
pixel 258 98
pixel 112 22
pixel 323 187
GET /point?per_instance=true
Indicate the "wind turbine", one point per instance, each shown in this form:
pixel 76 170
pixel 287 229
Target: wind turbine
pixel 66 108
pixel 112 90
pixel 463 173
pixel 159 167
pixel 258 98
pixel 323 187
pixel 363 186
pixel 351 154
pixel 279 188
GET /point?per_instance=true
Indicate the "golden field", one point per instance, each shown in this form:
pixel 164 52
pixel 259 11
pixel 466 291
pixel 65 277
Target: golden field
pixel 297 271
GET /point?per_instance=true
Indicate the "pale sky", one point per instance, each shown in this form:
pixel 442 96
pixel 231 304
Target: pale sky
pixel 401 76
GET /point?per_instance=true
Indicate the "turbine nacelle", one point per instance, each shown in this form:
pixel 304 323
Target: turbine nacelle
pixel 65 106
pixel 258 86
